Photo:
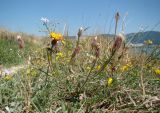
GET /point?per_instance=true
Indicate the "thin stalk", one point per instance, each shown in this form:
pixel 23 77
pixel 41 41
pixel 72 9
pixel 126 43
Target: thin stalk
pixel 49 55
pixel 89 73
pixel 116 18
pixel 106 62
pixel 47 28
pixel 101 69
pixel 142 81
pixel 78 41
pixel 115 29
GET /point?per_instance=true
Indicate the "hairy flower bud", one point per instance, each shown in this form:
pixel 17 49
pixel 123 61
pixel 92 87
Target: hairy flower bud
pixel 118 41
pixel 96 47
pixel 75 52
pixel 94 42
pixel 20 42
pixel 80 32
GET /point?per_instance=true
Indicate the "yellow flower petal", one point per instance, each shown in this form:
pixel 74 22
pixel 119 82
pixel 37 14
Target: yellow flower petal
pixel 56 36
pixel 109 81
pixel 8 77
pixel 124 68
pixel 98 67
pixel 157 71
pixel 60 54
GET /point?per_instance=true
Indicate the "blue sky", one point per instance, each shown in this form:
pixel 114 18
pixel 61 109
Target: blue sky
pixel 25 15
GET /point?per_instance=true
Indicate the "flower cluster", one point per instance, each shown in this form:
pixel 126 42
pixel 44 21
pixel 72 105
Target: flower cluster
pixel 56 36
pixel 53 35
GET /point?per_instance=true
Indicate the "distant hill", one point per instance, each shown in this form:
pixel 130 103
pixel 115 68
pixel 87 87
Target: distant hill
pixel 137 38
pixel 140 37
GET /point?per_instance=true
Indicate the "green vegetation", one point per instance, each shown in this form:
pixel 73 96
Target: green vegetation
pixel 10 54
pixel 89 75
pixel 54 83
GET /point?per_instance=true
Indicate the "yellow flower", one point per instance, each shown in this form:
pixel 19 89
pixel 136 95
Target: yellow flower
pixel 59 55
pixel 8 77
pixel 98 67
pixel 157 71
pixel 148 42
pixel 109 81
pixel 56 36
pixel 126 67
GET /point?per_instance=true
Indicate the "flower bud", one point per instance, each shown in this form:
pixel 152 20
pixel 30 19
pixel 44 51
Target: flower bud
pixel 96 47
pixel 20 42
pixel 80 31
pixel 75 52
pixel 118 42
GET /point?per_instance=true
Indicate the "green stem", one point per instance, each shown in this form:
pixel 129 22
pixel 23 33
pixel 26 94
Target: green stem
pixel 78 41
pixel 106 62
pixel 94 63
